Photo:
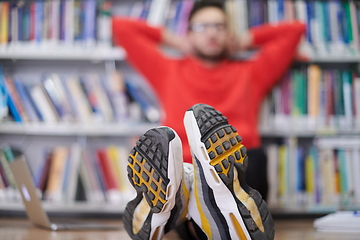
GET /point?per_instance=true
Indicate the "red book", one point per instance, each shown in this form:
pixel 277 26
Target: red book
pixel 105 169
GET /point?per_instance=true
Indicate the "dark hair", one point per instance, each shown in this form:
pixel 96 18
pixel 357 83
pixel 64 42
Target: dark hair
pixel 198 5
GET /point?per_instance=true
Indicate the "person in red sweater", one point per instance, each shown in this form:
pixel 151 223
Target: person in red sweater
pixel 207 74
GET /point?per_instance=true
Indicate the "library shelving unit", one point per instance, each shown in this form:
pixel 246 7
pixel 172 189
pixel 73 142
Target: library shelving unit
pixel 63 60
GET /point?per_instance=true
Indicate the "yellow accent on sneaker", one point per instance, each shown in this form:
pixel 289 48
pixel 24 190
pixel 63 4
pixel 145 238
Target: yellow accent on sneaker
pixel 225 154
pixel 248 202
pixel 186 193
pixel 157 191
pixel 239 230
pixel 140 214
pixel 205 225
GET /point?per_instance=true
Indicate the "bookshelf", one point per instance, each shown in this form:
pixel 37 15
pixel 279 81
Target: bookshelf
pixel 31 58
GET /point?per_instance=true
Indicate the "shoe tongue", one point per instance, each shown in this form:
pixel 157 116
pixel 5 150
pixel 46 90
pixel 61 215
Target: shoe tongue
pixel 188 174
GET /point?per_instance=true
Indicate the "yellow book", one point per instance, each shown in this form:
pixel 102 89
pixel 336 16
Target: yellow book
pixel 327 173
pixel 282 169
pixel 309 174
pixel 56 174
pixel 4 22
pixel 314 79
pixel 113 154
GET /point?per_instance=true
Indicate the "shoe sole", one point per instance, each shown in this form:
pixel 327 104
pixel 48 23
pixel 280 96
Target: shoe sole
pixel 220 155
pixel 153 170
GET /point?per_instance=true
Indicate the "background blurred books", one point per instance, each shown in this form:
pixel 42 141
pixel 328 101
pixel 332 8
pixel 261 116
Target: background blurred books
pixel 90 99
pixel 321 175
pixel 55 23
pixel 67 174
pixel 314 98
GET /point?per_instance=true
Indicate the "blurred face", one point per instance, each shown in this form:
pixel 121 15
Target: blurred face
pixel 208 35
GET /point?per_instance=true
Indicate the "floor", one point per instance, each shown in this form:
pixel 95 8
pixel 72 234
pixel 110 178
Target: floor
pixel 22 229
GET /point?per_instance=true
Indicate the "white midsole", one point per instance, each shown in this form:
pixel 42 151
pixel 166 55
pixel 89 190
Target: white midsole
pixel 223 197
pixel 175 169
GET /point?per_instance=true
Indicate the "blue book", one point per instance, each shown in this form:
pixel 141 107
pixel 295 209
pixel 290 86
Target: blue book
pixel 281 9
pixel 3 96
pixel 25 100
pixel 146 9
pixel 148 107
pixel 62 21
pixel 173 22
pixel 89 24
pixel 20 31
pixel 66 176
pixel 300 183
pixel 12 107
pixel 27 89
pixel 39 21
pixel 310 12
pixel 255 13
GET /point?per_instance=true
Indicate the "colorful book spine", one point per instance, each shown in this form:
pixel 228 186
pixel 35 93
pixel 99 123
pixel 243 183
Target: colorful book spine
pixel 4 22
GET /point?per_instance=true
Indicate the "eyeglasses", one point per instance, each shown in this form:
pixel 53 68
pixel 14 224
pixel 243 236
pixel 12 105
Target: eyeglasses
pixel 202 27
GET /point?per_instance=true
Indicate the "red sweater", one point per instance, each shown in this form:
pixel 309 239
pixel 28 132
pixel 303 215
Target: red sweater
pixel 236 88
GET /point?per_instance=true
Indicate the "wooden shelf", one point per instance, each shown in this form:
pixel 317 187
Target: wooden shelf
pixel 64 129
pixel 62 53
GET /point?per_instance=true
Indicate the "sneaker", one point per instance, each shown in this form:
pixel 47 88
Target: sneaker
pixel 222 203
pixel 155 170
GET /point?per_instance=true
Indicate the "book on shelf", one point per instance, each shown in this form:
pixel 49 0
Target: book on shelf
pixel 57 171
pixel 24 99
pixel 321 175
pixel 42 101
pixel 13 101
pixel 9 188
pixel 147 104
